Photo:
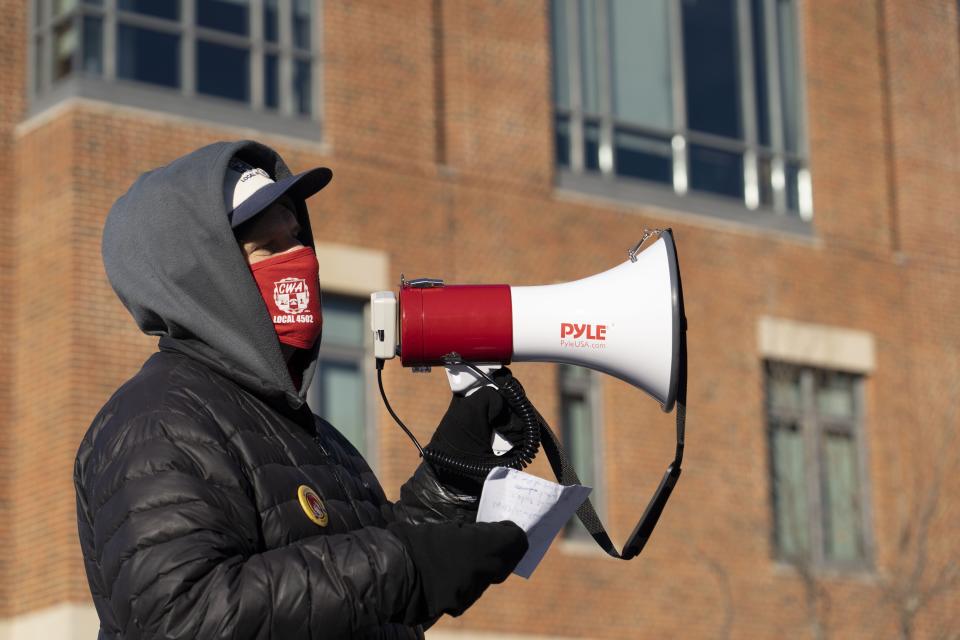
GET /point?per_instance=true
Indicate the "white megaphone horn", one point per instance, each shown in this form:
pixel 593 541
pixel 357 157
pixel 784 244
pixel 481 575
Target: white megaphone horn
pixel 626 322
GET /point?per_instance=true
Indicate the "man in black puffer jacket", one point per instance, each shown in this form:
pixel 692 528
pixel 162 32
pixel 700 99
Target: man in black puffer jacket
pixel 211 502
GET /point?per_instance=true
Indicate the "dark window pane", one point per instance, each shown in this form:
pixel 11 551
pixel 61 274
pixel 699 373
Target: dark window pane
pixel 710 58
pixel 643 157
pixel 40 63
pixel 148 56
pixel 578 441
pixel 561 53
pixel 764 180
pixel 169 9
pixel 760 71
pixel 843 535
pixel 716 171
pixel 271 81
pixel 783 387
pixel 835 394
pixel 577 426
pixel 591 146
pixel 92 45
pixel 343 322
pixel 223 71
pixel 828 409
pixel 589 41
pixel 302 87
pixel 789 74
pixel 224 15
pixel 642 91
pixel 339 388
pixel 342 399
pixel 271 20
pixel 64 48
pixel 573 377
pixel 301 23
pixel 61 7
pixel 562 141
pixel 791 527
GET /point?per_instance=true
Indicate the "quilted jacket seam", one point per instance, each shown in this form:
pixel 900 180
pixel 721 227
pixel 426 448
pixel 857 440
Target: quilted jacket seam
pixel 133 512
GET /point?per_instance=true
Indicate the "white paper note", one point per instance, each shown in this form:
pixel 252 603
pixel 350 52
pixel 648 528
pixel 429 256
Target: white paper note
pixel 537 506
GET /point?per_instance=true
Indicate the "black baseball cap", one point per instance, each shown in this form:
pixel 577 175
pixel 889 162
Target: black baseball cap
pixel 248 190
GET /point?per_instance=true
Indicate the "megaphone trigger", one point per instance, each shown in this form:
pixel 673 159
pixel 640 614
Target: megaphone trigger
pixel 466 379
pixel 500 445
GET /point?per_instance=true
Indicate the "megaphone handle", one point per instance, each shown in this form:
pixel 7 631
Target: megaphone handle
pixel 464 381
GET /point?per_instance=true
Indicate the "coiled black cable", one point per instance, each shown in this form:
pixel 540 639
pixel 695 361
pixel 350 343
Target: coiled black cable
pixel 522 453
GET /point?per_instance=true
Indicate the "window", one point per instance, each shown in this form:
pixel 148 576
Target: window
pixel 255 54
pixel 814 420
pixel 700 97
pixel 580 434
pixel 339 388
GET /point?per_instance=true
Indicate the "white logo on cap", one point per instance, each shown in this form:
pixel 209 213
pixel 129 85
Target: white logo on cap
pixel 243 180
pixel 253 173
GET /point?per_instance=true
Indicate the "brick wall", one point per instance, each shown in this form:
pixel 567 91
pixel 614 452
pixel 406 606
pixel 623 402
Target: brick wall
pixel 12 90
pixel 446 165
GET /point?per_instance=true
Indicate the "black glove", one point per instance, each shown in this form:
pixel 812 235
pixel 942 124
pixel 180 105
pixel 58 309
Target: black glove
pixel 456 562
pixel 466 431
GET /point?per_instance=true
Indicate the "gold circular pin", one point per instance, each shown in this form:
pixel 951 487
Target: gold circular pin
pixel 312 505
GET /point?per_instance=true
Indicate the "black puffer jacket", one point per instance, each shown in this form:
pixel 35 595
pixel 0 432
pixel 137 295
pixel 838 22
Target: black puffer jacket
pixel 188 479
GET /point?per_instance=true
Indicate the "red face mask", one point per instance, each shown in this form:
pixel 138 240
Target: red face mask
pixel 290 286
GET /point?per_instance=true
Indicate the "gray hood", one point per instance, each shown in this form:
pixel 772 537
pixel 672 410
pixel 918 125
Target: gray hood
pixel 171 257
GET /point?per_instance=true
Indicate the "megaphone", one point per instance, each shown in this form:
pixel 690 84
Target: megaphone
pixel 625 322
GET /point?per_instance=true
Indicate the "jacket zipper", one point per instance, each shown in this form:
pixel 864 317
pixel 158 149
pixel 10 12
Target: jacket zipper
pixel 336 476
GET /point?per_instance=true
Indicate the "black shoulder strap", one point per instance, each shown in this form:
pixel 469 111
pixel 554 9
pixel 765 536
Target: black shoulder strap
pixel 563 470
